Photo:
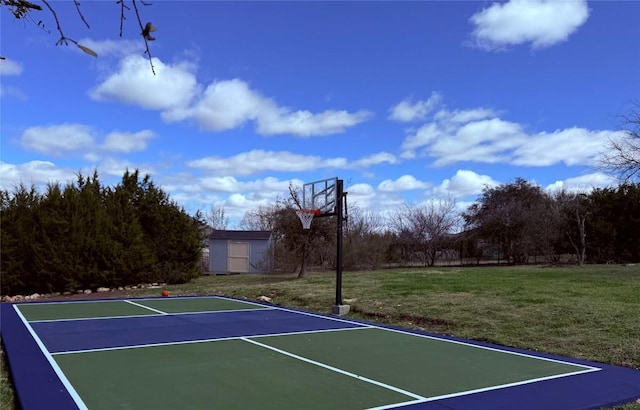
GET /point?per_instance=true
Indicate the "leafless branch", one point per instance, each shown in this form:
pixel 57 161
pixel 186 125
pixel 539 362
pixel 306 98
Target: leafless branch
pixel 21 10
pixel 122 15
pixel 144 31
pixel 77 4
pixel 63 39
pixel 623 153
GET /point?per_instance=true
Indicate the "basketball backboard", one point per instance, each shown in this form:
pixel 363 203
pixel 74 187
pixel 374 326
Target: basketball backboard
pixel 320 195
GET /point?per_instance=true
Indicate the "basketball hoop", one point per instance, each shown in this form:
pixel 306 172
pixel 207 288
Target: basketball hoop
pixel 306 216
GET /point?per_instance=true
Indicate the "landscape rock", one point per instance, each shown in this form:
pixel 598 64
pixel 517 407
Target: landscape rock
pixel 102 290
pixel 265 299
pixel 87 291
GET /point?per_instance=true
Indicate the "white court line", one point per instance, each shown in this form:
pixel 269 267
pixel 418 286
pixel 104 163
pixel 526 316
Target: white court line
pixel 377 327
pixel 484 389
pixel 335 319
pixel 65 302
pixel 186 342
pixel 591 368
pixel 149 315
pixel 335 369
pixel 65 382
pixel 145 307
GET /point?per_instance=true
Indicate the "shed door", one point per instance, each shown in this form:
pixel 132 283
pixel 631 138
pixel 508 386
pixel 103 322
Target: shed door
pixel 238 261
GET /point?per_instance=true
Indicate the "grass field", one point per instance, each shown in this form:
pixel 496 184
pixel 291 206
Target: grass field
pixel 589 312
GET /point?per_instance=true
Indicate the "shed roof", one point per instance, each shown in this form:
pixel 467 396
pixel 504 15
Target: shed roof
pixel 240 235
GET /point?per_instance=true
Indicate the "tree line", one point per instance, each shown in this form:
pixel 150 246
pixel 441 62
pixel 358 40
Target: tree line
pixel 513 223
pixel 86 235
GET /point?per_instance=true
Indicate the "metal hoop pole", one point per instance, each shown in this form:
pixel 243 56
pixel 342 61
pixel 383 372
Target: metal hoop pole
pixel 339 199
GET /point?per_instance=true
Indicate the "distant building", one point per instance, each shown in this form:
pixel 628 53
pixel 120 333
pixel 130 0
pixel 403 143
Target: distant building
pixel 240 251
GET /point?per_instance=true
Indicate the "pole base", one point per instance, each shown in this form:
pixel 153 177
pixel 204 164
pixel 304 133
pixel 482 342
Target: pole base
pixel 340 310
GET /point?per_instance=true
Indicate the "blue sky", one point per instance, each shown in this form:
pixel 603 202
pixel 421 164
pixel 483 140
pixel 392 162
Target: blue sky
pixel 405 101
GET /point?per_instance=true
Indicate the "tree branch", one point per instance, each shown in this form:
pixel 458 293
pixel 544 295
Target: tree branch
pixel 63 39
pixel 145 33
pixel 77 3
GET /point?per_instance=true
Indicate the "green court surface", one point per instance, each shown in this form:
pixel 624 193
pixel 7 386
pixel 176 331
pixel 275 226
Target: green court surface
pixel 425 366
pixel 223 374
pixel 137 307
pixel 215 352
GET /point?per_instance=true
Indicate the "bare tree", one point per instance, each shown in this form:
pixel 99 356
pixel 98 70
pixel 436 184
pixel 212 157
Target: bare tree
pixel 261 218
pixel 25 10
pixel 366 241
pixel 573 212
pixel 623 153
pixel 427 227
pixel 216 217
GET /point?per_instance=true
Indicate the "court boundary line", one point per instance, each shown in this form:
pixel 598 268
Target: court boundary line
pixel 54 365
pixel 301 312
pixel 145 307
pixel 335 369
pixel 185 342
pixel 482 390
pixel 148 315
pixel 441 339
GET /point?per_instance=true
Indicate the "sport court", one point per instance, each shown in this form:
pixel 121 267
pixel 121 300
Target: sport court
pixel 216 352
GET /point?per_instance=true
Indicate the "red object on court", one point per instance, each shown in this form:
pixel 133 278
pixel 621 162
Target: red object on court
pixel 165 293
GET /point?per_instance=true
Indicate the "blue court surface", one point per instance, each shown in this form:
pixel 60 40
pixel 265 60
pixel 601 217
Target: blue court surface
pixel 217 352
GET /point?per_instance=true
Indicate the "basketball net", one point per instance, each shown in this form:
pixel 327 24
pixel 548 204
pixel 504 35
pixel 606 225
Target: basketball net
pixel 306 216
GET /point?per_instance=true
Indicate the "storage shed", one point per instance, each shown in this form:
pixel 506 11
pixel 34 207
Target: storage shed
pixel 240 251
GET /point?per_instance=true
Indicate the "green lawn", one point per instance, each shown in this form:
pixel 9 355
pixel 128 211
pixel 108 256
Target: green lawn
pixel 589 312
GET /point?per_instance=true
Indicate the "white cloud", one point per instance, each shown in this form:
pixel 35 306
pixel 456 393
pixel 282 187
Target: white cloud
pixel 489 140
pixel 38 173
pixel 406 111
pixel 479 135
pixel 571 146
pixel 452 118
pixel 232 103
pixel 58 139
pixel 542 23
pixel 362 194
pixel 375 159
pixel 118 141
pixel 10 67
pixel 303 123
pixel 10 91
pixel 170 88
pixel 267 188
pixel 223 105
pixel 235 195
pixel 403 183
pixel 258 161
pixel 465 183
pixel 583 183
pixel 115 48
